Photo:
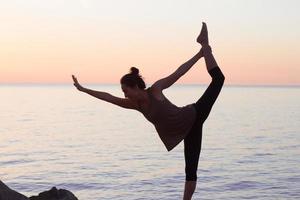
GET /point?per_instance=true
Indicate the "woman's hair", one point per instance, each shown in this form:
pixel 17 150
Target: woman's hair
pixel 133 78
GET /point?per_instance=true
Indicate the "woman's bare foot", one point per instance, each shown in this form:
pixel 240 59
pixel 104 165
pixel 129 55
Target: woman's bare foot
pixel 203 36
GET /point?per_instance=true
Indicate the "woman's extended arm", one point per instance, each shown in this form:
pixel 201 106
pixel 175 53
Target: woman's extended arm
pixel 122 102
pixel 171 79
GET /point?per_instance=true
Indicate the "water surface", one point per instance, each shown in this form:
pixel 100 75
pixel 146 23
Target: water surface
pixel 57 136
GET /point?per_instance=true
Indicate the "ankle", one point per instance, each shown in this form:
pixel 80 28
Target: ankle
pixel 206 49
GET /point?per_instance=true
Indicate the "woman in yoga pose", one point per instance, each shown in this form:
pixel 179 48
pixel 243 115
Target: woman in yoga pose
pixel 173 124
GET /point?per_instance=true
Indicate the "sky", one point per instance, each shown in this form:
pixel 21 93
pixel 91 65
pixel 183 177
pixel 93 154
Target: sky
pixel 255 42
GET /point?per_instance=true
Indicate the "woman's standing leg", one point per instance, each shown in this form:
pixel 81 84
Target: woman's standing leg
pixel 192 148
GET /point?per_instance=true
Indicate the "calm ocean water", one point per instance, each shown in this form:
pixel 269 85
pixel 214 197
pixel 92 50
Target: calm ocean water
pixel 57 136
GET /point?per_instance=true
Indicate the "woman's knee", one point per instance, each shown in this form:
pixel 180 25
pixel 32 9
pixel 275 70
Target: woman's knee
pixel 191 176
pixel 219 79
pixel 191 167
pixel 217 75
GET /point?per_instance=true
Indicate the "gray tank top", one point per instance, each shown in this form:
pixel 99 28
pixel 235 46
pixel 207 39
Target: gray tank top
pixel 172 123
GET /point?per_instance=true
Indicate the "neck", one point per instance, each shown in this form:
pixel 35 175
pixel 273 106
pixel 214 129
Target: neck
pixel 142 97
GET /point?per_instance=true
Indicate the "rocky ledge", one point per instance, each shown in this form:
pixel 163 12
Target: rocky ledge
pixel 54 194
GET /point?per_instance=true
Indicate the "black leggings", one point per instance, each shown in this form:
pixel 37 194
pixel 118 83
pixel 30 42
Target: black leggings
pixel 192 142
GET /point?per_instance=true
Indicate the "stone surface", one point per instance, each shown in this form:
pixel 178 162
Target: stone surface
pixel 8 194
pixel 54 194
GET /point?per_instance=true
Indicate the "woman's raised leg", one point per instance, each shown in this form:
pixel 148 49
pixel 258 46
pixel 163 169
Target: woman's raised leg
pixel 207 100
pixel 205 103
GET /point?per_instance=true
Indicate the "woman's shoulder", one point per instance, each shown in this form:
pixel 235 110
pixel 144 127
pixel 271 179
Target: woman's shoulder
pixel 156 93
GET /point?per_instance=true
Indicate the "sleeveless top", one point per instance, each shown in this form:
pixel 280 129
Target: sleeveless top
pixel 172 123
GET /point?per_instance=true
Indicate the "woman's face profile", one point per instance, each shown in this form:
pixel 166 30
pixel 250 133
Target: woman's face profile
pixel 129 92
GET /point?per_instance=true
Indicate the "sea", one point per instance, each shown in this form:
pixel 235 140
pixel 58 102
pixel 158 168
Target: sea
pixel 54 135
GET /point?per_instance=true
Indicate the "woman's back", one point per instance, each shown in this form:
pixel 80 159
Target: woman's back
pixel 171 122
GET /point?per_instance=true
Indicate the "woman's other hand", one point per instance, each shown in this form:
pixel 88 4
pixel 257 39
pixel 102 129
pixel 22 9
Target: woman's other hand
pixel 76 84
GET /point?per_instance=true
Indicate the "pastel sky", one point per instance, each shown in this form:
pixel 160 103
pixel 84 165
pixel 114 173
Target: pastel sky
pixel 254 41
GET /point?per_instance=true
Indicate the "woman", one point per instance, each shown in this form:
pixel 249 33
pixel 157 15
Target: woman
pixel 172 123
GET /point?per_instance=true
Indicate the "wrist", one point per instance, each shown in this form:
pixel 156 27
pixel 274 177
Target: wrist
pixel 200 53
pixel 83 89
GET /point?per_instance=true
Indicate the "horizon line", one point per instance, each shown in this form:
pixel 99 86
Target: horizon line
pixel 176 84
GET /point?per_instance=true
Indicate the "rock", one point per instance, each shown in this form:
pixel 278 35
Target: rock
pixel 54 194
pixel 8 194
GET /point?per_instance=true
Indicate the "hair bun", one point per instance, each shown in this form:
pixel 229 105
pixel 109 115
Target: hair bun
pixel 134 71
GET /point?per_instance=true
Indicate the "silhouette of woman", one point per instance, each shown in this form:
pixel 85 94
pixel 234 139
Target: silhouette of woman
pixel 172 123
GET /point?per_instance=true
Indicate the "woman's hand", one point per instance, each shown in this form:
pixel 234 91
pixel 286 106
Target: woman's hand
pixel 77 85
